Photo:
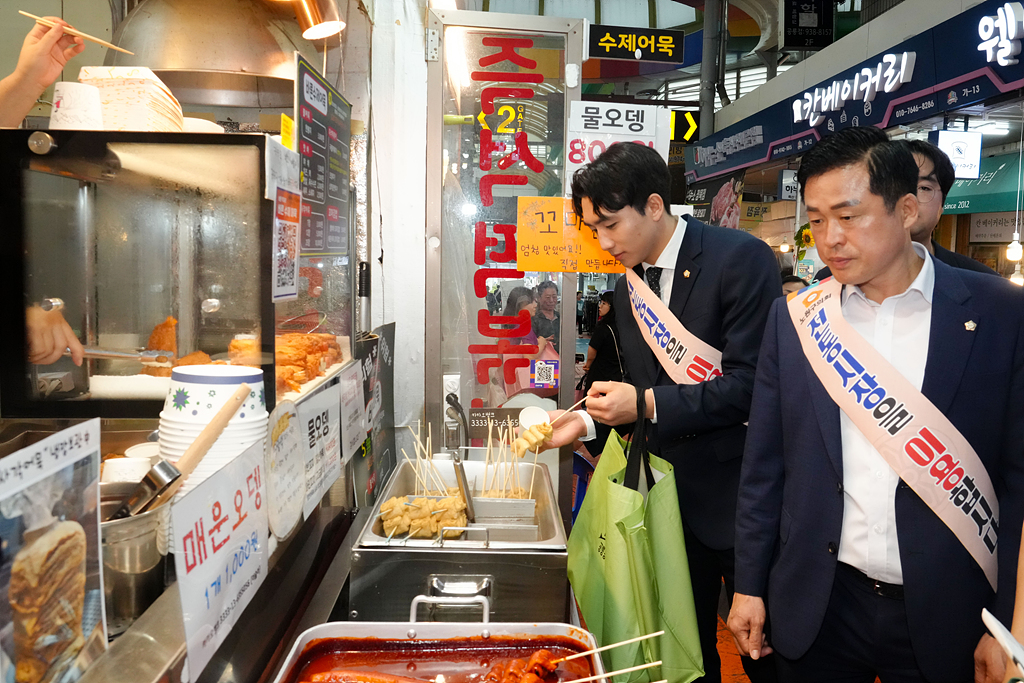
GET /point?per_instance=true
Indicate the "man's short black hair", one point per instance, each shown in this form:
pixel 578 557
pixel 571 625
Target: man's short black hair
pixel 626 174
pixel 945 174
pixel 891 166
pixel 547 284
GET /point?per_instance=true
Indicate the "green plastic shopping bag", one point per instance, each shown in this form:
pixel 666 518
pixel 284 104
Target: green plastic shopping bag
pixel 628 568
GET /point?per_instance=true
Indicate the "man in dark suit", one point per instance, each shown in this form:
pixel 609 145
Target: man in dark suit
pixel 861 577
pixel 935 177
pixel 719 283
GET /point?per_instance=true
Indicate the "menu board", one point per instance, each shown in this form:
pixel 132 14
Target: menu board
pixel 322 136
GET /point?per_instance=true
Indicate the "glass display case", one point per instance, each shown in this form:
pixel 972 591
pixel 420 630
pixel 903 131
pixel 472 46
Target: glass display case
pixel 157 250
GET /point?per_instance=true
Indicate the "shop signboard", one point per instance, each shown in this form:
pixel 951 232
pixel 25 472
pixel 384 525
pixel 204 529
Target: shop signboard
pixel 963 60
pixel 552 239
pixel 377 458
pixel 788 186
pixel 51 575
pixel 995 189
pixel 993 227
pixel 220 554
pixel 718 201
pixel 635 44
pixel 596 126
pixel 323 134
pixel 963 149
pixel 806 24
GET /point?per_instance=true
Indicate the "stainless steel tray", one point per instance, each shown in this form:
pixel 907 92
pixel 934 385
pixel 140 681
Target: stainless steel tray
pixel 430 631
pixel 543 532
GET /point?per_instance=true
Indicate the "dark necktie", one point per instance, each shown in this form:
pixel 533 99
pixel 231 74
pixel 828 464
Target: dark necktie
pixel 654 280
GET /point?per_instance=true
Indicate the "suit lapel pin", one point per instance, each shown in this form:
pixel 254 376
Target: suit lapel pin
pixel 686 273
pixel 970 325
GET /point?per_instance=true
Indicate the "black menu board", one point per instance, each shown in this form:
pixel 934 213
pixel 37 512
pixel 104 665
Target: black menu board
pixel 323 130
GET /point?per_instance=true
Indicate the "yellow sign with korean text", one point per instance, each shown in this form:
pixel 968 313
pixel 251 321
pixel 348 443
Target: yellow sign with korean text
pixel 550 238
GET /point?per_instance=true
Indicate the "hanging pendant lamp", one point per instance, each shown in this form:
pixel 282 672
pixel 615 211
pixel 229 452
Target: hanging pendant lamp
pixel 318 18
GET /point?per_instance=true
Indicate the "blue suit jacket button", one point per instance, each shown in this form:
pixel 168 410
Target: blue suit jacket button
pixel 832 548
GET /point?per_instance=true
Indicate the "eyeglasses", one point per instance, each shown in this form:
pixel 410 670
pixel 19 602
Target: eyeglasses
pixel 926 194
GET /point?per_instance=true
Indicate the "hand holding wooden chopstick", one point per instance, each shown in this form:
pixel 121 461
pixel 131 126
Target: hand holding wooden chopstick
pixel 75 32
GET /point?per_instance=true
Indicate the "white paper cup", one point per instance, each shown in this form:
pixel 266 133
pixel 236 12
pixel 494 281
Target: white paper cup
pixel 125 469
pixel 76 106
pixel 148 449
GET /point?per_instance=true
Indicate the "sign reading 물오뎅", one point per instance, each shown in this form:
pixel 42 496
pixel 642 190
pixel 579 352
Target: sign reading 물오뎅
pixel 596 126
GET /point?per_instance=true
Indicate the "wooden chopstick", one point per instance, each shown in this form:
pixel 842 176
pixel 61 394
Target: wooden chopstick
pixel 616 673
pixel 75 32
pixel 608 647
pixel 571 408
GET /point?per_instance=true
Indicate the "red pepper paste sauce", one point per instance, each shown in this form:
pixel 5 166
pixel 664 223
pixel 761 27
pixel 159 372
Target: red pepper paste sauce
pixel 460 660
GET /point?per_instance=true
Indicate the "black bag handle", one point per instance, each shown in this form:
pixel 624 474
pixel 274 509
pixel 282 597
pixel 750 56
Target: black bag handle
pixel 637 451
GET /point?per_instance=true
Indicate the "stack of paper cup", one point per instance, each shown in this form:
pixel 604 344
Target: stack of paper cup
pixel 76 106
pixel 197 392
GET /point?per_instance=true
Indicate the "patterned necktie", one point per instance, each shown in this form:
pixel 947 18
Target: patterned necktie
pixel 654 280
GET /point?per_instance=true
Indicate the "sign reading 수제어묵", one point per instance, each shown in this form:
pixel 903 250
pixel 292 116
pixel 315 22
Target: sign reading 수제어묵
pixel 635 44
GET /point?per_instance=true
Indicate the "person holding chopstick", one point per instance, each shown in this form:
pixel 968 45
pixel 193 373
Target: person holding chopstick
pixel 44 54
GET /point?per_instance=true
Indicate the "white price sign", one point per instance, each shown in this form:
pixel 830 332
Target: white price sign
pixel 220 553
pixel 286 476
pixel 596 126
pixel 319 422
pixel 353 415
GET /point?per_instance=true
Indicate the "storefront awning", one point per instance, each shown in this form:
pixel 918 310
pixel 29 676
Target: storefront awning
pixel 995 189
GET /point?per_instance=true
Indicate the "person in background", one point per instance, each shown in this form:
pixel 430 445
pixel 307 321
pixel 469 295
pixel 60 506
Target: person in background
pixel 43 56
pixel 547 323
pixel 792 283
pixel 523 299
pixel 604 362
pixel 579 312
pixel 872 553
pixel 718 284
pixel 935 177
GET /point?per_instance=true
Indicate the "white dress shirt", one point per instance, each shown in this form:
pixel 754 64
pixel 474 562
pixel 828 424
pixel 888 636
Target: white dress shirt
pixel 667 262
pixel 898 329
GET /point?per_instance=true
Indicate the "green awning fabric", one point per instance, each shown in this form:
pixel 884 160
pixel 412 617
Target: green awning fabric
pixel 994 190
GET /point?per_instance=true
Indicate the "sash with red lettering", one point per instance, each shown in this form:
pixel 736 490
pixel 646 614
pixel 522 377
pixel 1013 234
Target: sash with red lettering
pixel 686 359
pixel 914 437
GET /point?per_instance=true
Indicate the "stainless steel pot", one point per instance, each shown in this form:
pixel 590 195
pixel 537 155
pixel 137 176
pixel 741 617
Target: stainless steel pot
pixel 516 557
pixel 134 557
pixel 433 635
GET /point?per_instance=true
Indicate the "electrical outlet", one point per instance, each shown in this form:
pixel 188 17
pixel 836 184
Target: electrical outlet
pixel 451 384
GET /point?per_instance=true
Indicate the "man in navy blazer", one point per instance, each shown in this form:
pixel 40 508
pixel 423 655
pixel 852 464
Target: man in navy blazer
pixel 860 577
pixel 719 283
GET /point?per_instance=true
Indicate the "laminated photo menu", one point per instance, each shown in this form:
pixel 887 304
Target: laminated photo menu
pixel 51 586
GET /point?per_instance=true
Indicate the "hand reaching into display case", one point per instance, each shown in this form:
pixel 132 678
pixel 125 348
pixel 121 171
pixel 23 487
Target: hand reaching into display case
pixel 44 55
pixel 49 335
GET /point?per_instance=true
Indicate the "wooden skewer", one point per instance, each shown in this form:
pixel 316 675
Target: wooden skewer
pixel 616 673
pixel 75 32
pixel 607 647
pixel 416 471
pixel 571 408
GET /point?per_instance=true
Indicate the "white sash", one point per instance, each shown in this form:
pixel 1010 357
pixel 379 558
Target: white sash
pixel 686 359
pixel 914 437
